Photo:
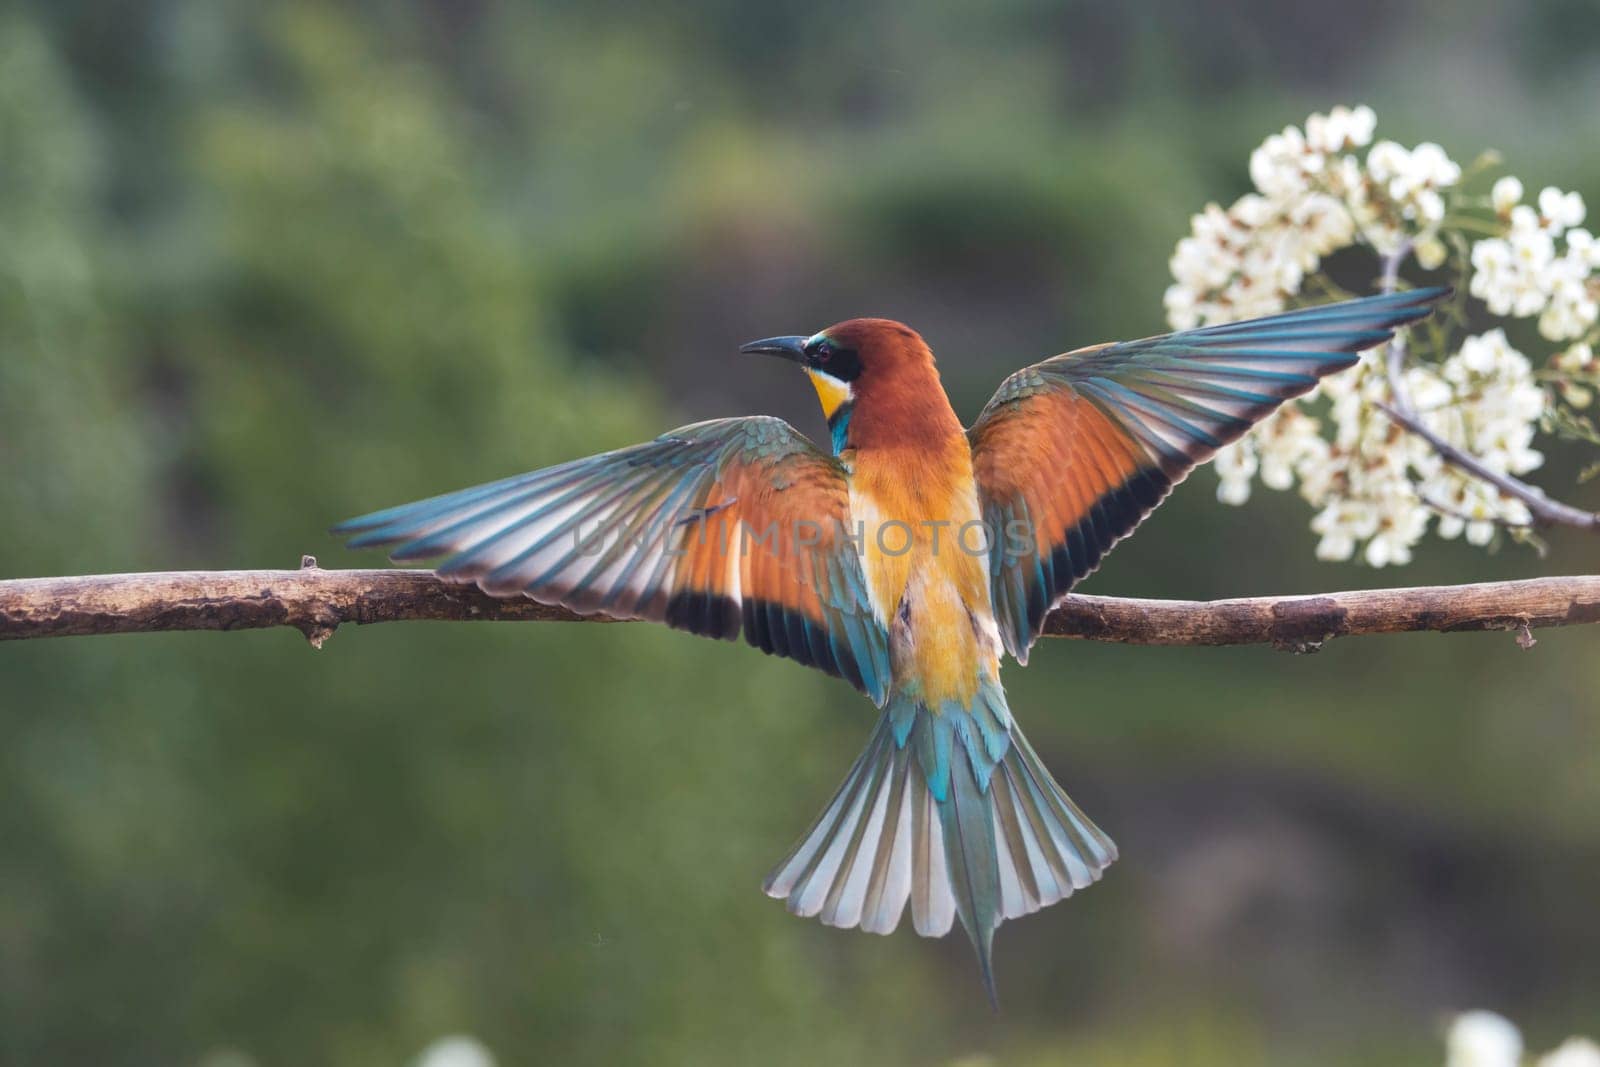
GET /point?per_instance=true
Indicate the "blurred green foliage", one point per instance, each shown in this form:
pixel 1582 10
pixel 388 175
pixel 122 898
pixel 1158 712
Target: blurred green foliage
pixel 266 266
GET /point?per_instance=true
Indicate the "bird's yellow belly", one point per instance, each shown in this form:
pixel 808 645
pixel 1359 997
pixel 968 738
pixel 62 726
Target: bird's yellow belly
pixel 925 561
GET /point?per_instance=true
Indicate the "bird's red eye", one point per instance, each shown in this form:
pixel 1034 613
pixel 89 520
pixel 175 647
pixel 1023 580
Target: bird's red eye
pixel 824 351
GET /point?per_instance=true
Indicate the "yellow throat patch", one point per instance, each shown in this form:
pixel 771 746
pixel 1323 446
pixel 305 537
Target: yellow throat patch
pixel 831 391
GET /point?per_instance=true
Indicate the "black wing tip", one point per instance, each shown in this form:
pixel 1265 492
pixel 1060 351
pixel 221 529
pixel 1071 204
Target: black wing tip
pixel 1409 307
pixel 1430 294
pixel 1374 314
pixel 1360 339
pixel 370 539
pixel 408 553
pixel 1389 312
pixel 1422 302
pixel 1402 298
pixel 366 530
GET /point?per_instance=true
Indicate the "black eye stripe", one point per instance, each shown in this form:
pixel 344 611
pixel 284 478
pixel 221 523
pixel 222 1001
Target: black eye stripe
pixel 841 363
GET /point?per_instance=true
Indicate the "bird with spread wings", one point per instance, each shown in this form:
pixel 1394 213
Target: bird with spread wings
pixel 905 559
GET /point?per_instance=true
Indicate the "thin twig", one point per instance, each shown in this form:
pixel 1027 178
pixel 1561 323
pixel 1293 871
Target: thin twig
pixel 316 602
pixel 1545 511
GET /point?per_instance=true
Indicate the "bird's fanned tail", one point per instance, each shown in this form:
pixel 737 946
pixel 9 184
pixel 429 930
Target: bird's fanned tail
pixel 1008 840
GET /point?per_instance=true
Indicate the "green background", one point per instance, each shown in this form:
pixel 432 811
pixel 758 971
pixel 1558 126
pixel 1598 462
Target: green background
pixel 266 266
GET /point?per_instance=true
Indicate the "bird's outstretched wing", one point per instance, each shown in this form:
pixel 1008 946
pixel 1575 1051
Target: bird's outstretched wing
pixel 720 528
pixel 1071 454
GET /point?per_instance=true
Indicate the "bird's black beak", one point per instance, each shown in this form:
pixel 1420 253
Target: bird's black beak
pixel 787 347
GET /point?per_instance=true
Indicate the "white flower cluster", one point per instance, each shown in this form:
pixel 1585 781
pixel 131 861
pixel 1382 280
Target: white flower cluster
pixel 1484 1039
pixel 1484 401
pixel 1524 273
pixel 1313 197
pixel 1376 488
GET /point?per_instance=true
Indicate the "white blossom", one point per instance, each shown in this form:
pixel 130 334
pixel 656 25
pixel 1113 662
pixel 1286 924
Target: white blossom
pixel 1506 194
pixel 1430 251
pixel 1575 360
pixel 1414 177
pixel 1572 308
pixel 1483 1039
pixel 1561 211
pixel 1582 247
pixel 458 1050
pixel 1341 524
pixel 1236 465
pixel 1573 1052
pixel 1340 129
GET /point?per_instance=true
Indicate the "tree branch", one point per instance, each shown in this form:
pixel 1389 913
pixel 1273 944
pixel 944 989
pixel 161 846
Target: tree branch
pixel 316 602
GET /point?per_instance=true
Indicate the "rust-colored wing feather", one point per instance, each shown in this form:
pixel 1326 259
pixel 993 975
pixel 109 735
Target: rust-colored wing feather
pixel 721 528
pixel 1073 453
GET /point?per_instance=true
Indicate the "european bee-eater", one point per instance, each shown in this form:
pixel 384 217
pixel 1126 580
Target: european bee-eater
pixel 904 560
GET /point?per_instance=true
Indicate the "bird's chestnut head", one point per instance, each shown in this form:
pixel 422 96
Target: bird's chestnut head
pixel 853 361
